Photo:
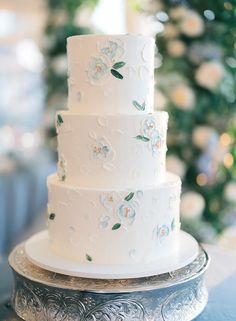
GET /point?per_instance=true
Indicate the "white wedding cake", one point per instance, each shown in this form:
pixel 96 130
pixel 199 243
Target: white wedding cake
pixel 112 201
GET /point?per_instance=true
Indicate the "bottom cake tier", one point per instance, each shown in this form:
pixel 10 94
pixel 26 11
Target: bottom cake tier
pixel 114 227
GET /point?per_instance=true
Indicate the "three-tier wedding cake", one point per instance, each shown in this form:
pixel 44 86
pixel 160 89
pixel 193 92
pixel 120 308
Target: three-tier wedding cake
pixel 112 201
pixel 113 249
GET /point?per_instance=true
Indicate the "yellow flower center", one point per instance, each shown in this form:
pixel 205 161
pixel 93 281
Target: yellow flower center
pixel 127 210
pixel 98 67
pixel 97 149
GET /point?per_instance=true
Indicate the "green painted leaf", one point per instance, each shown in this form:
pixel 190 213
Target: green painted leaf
pixel 142 138
pixel 118 65
pixel 116 226
pixel 116 74
pixel 52 216
pixel 129 197
pixel 89 258
pixel 138 106
pixel 59 120
pixel 143 105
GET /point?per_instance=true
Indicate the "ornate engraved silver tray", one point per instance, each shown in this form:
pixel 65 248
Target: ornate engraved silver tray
pixel 40 295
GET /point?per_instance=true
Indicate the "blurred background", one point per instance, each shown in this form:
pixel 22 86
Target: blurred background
pixel 195 82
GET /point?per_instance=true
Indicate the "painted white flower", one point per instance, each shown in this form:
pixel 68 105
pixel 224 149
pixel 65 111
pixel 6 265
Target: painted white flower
pixel 230 192
pixel 126 213
pixel 191 24
pixel 203 136
pixel 98 68
pixel 149 126
pixel 104 221
pixel 176 165
pixel 162 232
pixel 183 97
pixel 112 49
pixel 192 205
pixel 176 48
pixel 157 141
pixel 101 149
pixel 209 74
pixel 109 200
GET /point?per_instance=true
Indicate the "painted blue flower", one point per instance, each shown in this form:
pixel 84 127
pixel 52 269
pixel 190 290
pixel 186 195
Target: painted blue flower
pixel 101 149
pixel 156 142
pixel 163 232
pixel 104 221
pixel 112 49
pixel 97 68
pixel 108 200
pixel 126 213
pixel 149 126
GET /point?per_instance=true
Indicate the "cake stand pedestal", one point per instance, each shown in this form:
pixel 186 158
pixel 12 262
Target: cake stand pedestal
pixel 42 295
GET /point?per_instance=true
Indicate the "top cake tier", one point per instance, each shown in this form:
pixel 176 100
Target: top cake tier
pixel 110 74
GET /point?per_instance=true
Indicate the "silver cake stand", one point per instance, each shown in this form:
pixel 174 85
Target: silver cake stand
pixel 40 295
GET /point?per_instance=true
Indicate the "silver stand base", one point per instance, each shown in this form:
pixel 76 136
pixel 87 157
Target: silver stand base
pixel 40 295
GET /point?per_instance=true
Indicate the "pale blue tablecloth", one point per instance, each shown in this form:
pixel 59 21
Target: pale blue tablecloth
pixel 222 302
pixel 23 196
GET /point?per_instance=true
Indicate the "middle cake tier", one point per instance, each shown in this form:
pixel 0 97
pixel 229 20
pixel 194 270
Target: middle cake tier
pixel 115 150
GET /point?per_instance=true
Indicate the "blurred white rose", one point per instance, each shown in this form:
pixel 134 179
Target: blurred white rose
pixel 227 240
pixel 59 64
pixel 176 48
pixel 178 12
pixel 191 24
pixel 183 97
pixel 159 100
pixel 83 17
pixel 192 205
pixel 176 165
pixel 230 192
pixel 59 18
pixel 203 135
pixel 170 31
pixel 209 74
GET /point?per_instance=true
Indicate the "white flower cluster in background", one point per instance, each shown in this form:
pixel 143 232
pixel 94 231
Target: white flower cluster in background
pixel 59 65
pixel 191 24
pixel 209 74
pixel 182 96
pixel 227 239
pixel 203 136
pixel 230 192
pixel 160 100
pixel 176 165
pixel 192 205
pixel 176 48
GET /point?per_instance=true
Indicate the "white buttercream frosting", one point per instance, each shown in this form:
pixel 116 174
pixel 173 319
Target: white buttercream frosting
pixel 119 226
pixel 112 201
pixel 112 151
pixel 108 74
